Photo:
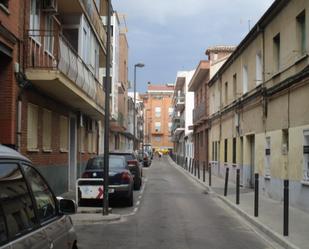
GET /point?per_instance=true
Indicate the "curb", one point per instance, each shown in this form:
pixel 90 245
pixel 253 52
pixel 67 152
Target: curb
pixel 86 219
pixel 266 230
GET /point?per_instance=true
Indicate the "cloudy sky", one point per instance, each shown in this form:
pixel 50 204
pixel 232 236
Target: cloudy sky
pixel 173 35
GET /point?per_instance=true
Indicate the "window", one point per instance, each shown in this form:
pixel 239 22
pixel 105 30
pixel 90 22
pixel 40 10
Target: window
pixel 47 129
pixel 170 126
pixel 226 93
pixel 306 155
pixel 158 126
pixel 301 27
pixel 276 55
pixel 35 15
pixel 49 39
pixel 244 79
pixel 213 151
pixel 267 156
pixel 285 142
pixel 225 150
pixel 235 86
pixel 90 143
pixel 5 3
pixel 234 150
pixel 258 68
pixel 170 111
pixel 158 112
pixel 64 134
pixel 15 203
pixel 158 139
pixel 43 197
pixel 32 127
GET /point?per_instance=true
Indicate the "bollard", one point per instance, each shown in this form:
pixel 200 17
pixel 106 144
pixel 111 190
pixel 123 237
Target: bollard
pixel 192 166
pixel 190 161
pixel 186 163
pixel 286 208
pixel 226 181
pixel 209 174
pixel 256 195
pixel 198 170
pixel 237 185
pixel 204 171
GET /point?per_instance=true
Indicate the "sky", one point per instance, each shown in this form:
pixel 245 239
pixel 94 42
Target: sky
pixel 173 35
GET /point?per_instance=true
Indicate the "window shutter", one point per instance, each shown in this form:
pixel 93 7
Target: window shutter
pixel 47 119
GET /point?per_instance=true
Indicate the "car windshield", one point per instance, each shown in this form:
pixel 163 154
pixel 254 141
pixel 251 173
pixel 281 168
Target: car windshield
pixel 98 163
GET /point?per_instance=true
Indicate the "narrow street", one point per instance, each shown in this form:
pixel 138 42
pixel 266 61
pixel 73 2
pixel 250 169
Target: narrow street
pixel 174 213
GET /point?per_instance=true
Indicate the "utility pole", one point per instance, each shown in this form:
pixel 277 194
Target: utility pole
pixel 106 118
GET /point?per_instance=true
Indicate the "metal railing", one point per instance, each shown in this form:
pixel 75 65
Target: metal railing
pixel 199 112
pixel 50 50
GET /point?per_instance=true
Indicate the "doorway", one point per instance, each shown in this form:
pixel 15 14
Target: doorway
pixel 73 154
pixel 252 159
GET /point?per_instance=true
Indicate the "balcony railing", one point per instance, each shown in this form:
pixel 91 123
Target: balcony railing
pixel 50 50
pixel 178 124
pixel 96 20
pixel 199 112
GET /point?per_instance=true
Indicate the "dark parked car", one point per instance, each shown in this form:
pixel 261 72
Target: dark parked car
pixel 30 214
pixel 134 167
pixel 144 158
pixel 121 181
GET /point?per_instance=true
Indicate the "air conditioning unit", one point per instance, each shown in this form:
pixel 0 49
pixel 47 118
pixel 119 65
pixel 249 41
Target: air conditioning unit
pixel 50 6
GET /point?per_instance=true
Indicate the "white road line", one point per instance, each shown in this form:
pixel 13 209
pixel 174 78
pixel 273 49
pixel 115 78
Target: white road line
pixel 139 197
pixel 135 210
pixel 137 203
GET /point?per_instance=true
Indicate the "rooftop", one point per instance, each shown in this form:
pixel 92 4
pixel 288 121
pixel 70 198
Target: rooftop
pixel 220 49
pixel 166 87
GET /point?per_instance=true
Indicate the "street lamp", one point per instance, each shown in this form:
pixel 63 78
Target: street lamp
pixel 106 117
pixel 134 113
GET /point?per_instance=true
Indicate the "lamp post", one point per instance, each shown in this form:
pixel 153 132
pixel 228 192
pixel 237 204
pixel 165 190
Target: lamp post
pixel 134 113
pixel 106 118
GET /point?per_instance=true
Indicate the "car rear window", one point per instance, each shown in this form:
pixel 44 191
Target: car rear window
pixel 97 163
pixel 129 157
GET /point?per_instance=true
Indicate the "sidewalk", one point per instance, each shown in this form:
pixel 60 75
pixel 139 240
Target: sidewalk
pixel 90 215
pixel 270 219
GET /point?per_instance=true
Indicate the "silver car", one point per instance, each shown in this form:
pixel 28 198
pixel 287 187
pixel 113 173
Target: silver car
pixel 30 215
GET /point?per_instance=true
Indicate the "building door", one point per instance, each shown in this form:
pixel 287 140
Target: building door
pixel 252 159
pixel 73 154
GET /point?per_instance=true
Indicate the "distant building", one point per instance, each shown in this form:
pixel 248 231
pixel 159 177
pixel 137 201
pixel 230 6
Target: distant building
pixel 183 104
pixel 217 55
pixel 157 115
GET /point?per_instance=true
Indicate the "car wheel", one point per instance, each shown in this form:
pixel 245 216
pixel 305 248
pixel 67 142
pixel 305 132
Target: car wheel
pixel 129 200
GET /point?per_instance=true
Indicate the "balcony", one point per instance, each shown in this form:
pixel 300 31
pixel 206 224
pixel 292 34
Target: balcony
pixel 54 67
pixel 73 7
pixel 178 127
pixel 180 103
pixel 119 124
pixel 199 113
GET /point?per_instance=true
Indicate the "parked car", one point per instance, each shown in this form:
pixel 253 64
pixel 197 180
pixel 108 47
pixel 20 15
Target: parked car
pixel 144 158
pixel 149 150
pixel 134 167
pixel 30 214
pixel 121 181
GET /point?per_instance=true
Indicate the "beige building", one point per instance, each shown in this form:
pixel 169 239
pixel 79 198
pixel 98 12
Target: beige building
pixel 157 116
pixel 258 105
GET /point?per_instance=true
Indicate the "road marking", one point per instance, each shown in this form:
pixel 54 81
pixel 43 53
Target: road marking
pixel 139 197
pixel 137 203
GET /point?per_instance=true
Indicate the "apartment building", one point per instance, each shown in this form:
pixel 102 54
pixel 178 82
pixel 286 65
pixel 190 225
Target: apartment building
pixel 258 105
pixel 55 99
pixel 183 104
pixel 217 55
pixel 157 116
pixel 120 84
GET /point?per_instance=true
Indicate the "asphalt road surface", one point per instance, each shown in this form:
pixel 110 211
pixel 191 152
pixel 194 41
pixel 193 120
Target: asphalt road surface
pixel 173 212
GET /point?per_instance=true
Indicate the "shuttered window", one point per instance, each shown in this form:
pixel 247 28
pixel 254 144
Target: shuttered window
pixel 64 124
pixel 32 127
pixel 89 142
pixel 47 129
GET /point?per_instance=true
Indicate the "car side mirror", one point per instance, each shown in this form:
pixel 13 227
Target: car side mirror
pixel 67 206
